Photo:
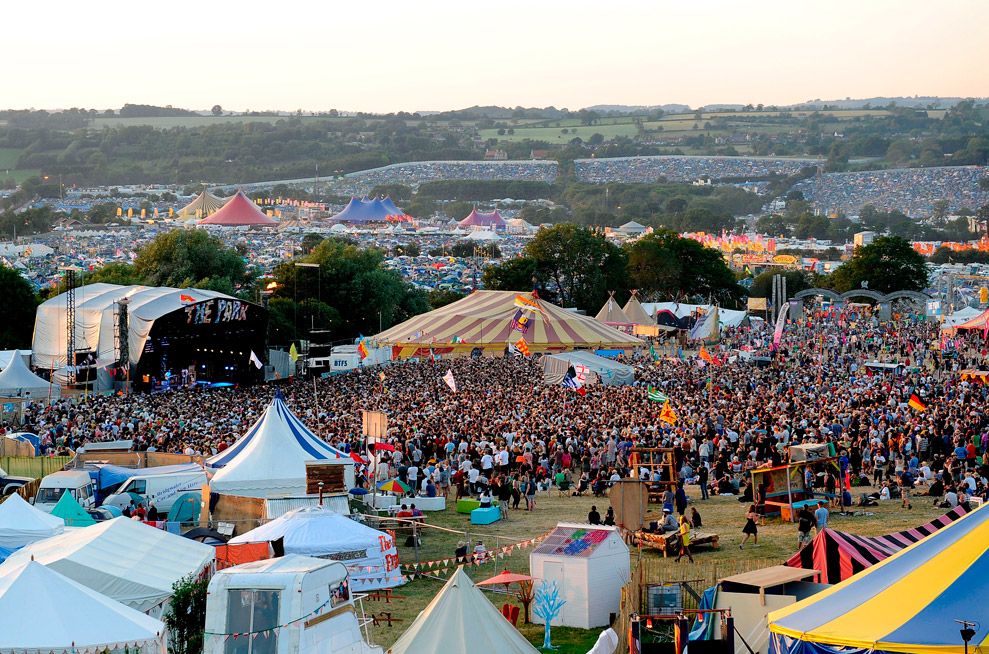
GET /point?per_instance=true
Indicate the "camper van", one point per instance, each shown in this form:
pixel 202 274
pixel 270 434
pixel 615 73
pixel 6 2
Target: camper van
pixel 162 485
pixel 78 483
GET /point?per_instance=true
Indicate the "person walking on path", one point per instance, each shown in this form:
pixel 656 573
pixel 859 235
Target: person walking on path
pixel 685 539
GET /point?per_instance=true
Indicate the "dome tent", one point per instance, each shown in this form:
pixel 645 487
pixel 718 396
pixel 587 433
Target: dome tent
pixel 369 554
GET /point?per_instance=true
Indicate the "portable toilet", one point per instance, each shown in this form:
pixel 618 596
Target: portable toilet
pixel 590 564
pixel 289 605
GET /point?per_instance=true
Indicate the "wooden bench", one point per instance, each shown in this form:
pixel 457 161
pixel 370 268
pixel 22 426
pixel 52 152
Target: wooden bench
pixel 670 542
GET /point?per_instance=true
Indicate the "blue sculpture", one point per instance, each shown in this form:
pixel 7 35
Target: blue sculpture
pixel 547 607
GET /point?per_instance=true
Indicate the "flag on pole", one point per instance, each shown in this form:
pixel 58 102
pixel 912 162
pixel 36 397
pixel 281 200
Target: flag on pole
pixel 362 349
pixel 528 304
pixel 657 396
pixel 916 403
pixel 293 353
pixel 520 322
pixel 707 357
pixel 780 324
pixel 572 382
pixel 652 352
pixel 667 414
pixel 256 361
pixel 522 348
pixel 450 381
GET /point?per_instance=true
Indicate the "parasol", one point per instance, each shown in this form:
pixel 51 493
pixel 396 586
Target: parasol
pixel 507 578
pixel 393 486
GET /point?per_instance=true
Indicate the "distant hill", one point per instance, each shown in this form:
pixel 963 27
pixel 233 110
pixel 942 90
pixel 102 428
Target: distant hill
pixel 151 111
pixel 639 109
pixel 920 102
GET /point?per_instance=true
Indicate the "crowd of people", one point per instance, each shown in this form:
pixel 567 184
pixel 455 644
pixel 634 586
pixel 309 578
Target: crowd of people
pixel 678 168
pixel 914 191
pixel 506 436
pixel 414 173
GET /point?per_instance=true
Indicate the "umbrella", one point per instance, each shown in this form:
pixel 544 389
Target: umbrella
pixel 393 486
pixel 508 578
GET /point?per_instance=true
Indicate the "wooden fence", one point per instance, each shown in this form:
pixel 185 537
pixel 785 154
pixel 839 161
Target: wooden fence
pixel 651 570
pixel 33 466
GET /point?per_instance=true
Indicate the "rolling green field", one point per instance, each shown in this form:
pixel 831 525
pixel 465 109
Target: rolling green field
pixel 8 159
pixel 722 515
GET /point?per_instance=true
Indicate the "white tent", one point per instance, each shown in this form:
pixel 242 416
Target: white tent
pixel 589 564
pixel 96 319
pixel 286 590
pixel 726 317
pixel 461 619
pixel 7 355
pixel 270 459
pixel 17 380
pixel 44 612
pixel 21 524
pixel 593 369
pixel 960 316
pixel 370 555
pixel 125 560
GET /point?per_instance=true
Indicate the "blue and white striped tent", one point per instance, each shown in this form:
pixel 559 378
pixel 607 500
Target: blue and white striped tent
pixel 270 459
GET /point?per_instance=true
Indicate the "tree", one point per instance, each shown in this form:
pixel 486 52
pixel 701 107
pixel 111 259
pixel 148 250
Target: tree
pixel 191 257
pixel 577 263
pixel 796 281
pixel 19 302
pixel 217 110
pixel 352 283
pixel 309 242
pixel 516 274
pixel 887 264
pixel 186 617
pixel 439 297
pixel 665 265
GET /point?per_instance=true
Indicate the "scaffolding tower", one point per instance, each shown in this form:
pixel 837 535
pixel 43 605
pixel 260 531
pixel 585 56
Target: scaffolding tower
pixel 70 325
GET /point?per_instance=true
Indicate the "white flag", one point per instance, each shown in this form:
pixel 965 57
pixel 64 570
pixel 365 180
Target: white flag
pixel 256 361
pixel 450 381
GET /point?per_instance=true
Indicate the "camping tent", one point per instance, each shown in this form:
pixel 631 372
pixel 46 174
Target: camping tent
pixel 21 524
pixel 461 619
pixel 906 603
pixel 838 555
pixel 17 380
pixel 484 319
pixel 270 459
pixel 590 565
pixel 45 612
pixel 481 220
pixel 369 554
pixel 204 205
pixel 636 314
pixel 239 211
pixel 611 312
pixel 597 370
pixel 124 559
pixel 71 513
pixel 289 590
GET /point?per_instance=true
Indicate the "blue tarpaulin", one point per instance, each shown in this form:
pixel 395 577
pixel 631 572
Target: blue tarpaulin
pixel 706 624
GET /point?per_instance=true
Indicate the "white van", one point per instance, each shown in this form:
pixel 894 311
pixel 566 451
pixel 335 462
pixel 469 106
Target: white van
pixel 76 482
pixel 161 486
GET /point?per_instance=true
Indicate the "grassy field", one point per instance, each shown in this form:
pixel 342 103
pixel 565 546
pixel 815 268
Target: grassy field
pixel 723 515
pixel 555 135
pixel 167 122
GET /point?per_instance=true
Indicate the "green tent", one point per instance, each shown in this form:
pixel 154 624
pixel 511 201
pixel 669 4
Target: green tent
pixel 69 510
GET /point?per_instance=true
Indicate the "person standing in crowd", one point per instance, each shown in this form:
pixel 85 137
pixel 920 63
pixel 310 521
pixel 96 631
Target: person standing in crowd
pixel 685 539
pixel 805 523
pixel 821 516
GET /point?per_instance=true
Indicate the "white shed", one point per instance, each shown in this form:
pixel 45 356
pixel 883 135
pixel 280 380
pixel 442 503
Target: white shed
pixel 589 564
pixel 289 605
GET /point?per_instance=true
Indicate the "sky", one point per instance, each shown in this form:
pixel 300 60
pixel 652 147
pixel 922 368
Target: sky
pixel 384 56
